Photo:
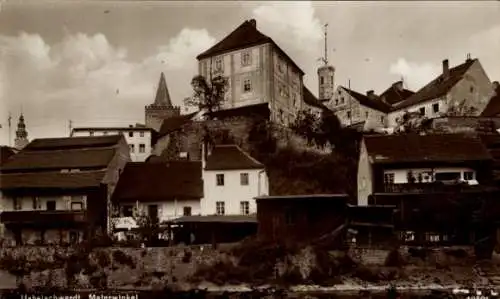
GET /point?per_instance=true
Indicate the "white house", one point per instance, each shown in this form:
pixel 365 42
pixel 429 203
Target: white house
pixel 231 181
pixel 162 191
pixel 388 163
pixel 139 138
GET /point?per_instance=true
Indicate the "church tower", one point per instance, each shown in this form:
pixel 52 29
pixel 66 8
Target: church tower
pixel 162 107
pixel 326 75
pixel 21 134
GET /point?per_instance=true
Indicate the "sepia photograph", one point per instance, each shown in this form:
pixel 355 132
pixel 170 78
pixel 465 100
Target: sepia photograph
pixel 249 149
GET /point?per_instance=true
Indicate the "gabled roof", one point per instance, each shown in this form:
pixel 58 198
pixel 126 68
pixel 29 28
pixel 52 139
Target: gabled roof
pixel 311 100
pixel 245 36
pixel 60 159
pixel 230 157
pixel 174 123
pixel 73 142
pixel 414 148
pixel 162 97
pixel 366 101
pixel 256 110
pixel 5 153
pixel 51 180
pixel 437 87
pixel 492 109
pixel 119 129
pixel 394 95
pixel 160 181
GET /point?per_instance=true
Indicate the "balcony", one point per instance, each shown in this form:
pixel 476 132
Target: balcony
pixel 43 218
pixel 433 187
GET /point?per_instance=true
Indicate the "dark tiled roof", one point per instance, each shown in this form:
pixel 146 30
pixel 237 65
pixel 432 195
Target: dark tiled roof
pixel 73 142
pixel 366 101
pixel 414 148
pixel 258 110
pixel 160 181
pixel 60 159
pixel 120 129
pixel 305 197
pixel 245 36
pixel 217 219
pixel 174 123
pixel 5 153
pixel 311 100
pixel 162 95
pixel 230 157
pixel 493 107
pixel 49 180
pixel 437 87
pixel 393 95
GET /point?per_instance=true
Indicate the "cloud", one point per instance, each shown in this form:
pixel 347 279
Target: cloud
pixel 414 74
pixel 296 29
pixel 89 80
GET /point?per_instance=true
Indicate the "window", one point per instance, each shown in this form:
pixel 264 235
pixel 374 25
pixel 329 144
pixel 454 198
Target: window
pixel 186 211
pixel 336 102
pixel 246 58
pixel 331 80
pixel 382 119
pixel 219 179
pixel 220 208
pixel 245 207
pixel 91 133
pixel 447 176
pixel 294 99
pixel 435 107
pixel 128 211
pixel 408 236
pixel 472 89
pixel 141 134
pixel 348 114
pixel 281 67
pixel 366 114
pixel 244 179
pixel 219 66
pixel 142 148
pixel 433 237
pixel 422 111
pixel 322 80
pixel 105 133
pixel 36 203
pixel 389 178
pixel 468 175
pixel 130 134
pixel 132 148
pixel 76 206
pixel 342 100
pixel 51 205
pixel 247 85
pixel 17 203
pixel 290 217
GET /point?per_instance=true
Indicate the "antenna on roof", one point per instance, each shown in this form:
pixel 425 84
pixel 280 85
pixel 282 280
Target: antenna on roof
pixel 10 128
pixel 468 57
pixel 325 57
pixel 70 126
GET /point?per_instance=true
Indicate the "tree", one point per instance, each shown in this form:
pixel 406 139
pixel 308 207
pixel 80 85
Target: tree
pixel 306 125
pixel 412 122
pixel 461 109
pixel 208 95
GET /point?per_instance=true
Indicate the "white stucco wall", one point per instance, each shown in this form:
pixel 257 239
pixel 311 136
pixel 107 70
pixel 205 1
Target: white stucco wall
pixel 168 210
pixel 136 139
pixel 232 193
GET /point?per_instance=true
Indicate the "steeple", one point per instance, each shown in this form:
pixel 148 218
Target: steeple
pixel 21 134
pixel 162 95
pixel 326 74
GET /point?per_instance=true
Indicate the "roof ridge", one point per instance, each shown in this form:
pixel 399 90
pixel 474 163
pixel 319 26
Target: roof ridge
pixel 248 155
pixel 68 149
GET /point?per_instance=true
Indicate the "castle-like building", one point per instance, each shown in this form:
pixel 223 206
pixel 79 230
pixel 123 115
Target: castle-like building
pixel 161 108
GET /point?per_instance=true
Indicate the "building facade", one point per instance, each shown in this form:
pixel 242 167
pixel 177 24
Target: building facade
pixel 58 190
pixel 402 163
pixel 258 72
pixel 161 108
pixel 21 134
pixel 139 138
pixel 232 179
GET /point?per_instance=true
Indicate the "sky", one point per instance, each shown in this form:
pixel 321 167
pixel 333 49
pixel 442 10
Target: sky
pixel 97 63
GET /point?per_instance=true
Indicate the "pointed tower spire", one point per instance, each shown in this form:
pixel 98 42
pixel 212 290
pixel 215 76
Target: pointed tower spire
pixel 162 95
pixel 21 134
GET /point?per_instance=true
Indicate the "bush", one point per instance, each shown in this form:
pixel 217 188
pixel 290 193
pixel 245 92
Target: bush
pixel 367 274
pixel 124 259
pixel 102 258
pixel 394 259
pixel 186 258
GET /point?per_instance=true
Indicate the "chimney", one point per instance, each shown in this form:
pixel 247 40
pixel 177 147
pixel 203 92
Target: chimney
pixel 446 68
pixel 253 22
pixel 468 59
pixel 370 94
pixel 398 85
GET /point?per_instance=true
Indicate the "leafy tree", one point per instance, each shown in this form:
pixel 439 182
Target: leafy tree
pixel 208 95
pixel 412 122
pixel 306 125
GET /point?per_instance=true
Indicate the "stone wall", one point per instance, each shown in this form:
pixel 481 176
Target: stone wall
pixel 465 124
